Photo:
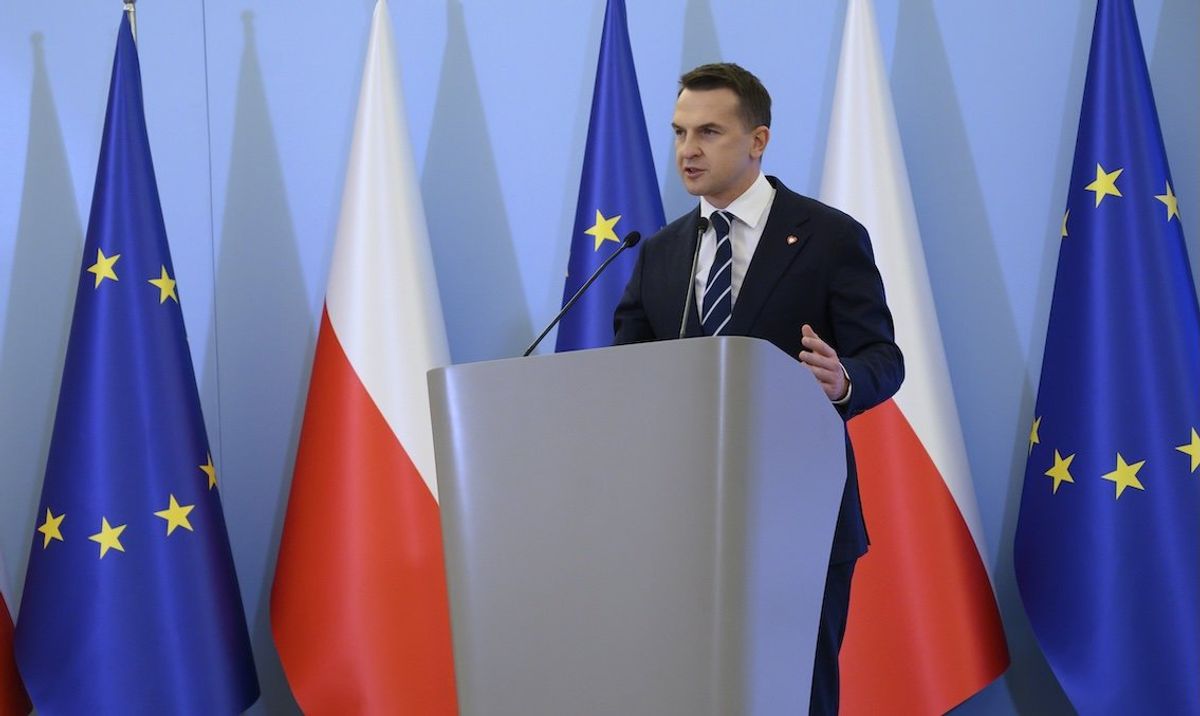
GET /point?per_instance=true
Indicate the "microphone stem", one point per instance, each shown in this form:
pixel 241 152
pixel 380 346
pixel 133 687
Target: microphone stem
pixel 691 284
pixel 567 306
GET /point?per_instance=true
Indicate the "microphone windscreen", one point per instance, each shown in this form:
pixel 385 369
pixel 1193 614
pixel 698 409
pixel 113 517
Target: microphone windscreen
pixel 632 239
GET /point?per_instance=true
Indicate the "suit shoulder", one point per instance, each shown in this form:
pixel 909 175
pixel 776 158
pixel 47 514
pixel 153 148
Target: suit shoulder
pixel 839 232
pixel 825 215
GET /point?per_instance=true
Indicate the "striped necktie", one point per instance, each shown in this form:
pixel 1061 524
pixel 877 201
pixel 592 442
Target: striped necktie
pixel 717 306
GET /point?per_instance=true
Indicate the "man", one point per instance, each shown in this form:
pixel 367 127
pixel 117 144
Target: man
pixel 776 265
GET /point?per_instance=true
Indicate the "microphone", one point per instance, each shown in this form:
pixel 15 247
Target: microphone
pixel 701 227
pixel 631 240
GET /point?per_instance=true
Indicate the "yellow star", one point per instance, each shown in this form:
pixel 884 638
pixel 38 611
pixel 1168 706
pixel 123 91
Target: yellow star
pixel 103 268
pixel 51 528
pixel 176 515
pixel 108 537
pixel 1192 449
pixel 209 469
pixel 603 230
pixel 1125 475
pixel 1171 202
pixel 1065 217
pixel 1105 184
pixel 1033 436
pixel 1061 472
pixel 166 287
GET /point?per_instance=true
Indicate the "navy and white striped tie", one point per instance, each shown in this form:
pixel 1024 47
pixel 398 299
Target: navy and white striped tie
pixel 717 306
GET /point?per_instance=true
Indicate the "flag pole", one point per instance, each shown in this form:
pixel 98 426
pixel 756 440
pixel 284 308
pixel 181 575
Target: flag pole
pixel 132 10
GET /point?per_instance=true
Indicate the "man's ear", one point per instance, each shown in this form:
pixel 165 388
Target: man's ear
pixel 758 140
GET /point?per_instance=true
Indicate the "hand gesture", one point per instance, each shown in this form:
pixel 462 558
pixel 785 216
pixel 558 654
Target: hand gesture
pixel 823 361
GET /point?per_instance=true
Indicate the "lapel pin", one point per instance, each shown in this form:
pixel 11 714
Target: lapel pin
pixel 791 240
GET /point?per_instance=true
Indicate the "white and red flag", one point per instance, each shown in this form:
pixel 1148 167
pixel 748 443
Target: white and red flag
pixel 13 699
pixel 359 607
pixel 924 632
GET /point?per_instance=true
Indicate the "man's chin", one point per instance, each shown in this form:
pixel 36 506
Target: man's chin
pixel 695 187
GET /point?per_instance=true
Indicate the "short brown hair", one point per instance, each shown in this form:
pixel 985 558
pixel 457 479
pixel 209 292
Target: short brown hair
pixel 753 100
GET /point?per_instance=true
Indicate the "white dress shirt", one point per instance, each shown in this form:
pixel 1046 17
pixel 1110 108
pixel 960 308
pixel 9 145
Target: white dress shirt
pixel 750 212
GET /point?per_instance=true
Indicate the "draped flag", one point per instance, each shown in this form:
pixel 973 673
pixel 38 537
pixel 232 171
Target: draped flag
pixel 13 699
pixel 924 632
pixel 359 608
pixel 618 191
pixel 1107 550
pixel 131 604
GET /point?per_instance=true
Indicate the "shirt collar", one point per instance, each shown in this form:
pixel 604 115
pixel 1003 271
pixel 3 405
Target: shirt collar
pixel 748 208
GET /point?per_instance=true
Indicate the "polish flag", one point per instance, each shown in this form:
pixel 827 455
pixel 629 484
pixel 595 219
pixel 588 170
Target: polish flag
pixel 924 632
pixel 359 607
pixel 13 699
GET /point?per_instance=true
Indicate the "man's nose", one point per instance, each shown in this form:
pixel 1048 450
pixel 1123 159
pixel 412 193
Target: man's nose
pixel 688 146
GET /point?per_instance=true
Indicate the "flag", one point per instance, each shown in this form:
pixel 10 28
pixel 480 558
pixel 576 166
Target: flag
pixel 618 191
pixel 1107 550
pixel 924 632
pixel 131 603
pixel 13 699
pixel 359 607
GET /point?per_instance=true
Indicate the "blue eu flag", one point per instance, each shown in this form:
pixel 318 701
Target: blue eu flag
pixel 1107 549
pixel 618 192
pixel 131 604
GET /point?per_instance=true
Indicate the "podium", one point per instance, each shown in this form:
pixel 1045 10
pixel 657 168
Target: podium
pixel 641 529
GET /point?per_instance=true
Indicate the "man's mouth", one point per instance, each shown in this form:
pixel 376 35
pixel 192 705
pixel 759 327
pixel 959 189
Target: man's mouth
pixel 692 172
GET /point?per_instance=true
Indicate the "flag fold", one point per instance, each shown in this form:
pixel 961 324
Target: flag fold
pixel 924 632
pixel 131 603
pixel 359 607
pixel 618 191
pixel 1107 550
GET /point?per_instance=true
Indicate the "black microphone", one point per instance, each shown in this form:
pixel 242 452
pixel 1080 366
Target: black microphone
pixel 701 227
pixel 631 240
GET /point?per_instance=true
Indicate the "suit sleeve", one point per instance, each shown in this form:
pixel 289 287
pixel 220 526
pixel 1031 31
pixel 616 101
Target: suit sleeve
pixel 863 332
pixel 630 322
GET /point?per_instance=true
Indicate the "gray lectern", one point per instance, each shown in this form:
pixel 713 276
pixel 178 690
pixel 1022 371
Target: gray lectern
pixel 636 530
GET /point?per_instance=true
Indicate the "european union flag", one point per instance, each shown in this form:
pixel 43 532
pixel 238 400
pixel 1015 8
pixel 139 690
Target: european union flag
pixel 131 603
pixel 618 192
pixel 1107 550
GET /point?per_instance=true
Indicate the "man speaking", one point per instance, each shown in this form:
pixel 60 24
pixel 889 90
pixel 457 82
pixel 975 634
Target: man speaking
pixel 771 264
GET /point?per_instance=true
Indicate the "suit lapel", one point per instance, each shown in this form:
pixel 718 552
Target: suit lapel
pixel 775 252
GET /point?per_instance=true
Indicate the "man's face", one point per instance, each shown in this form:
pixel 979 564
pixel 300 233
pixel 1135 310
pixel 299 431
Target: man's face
pixel 717 155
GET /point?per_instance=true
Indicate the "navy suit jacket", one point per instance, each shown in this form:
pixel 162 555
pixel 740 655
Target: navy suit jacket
pixel 826 278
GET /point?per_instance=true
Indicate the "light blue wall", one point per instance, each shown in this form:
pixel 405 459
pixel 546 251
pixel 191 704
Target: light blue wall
pixel 250 106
